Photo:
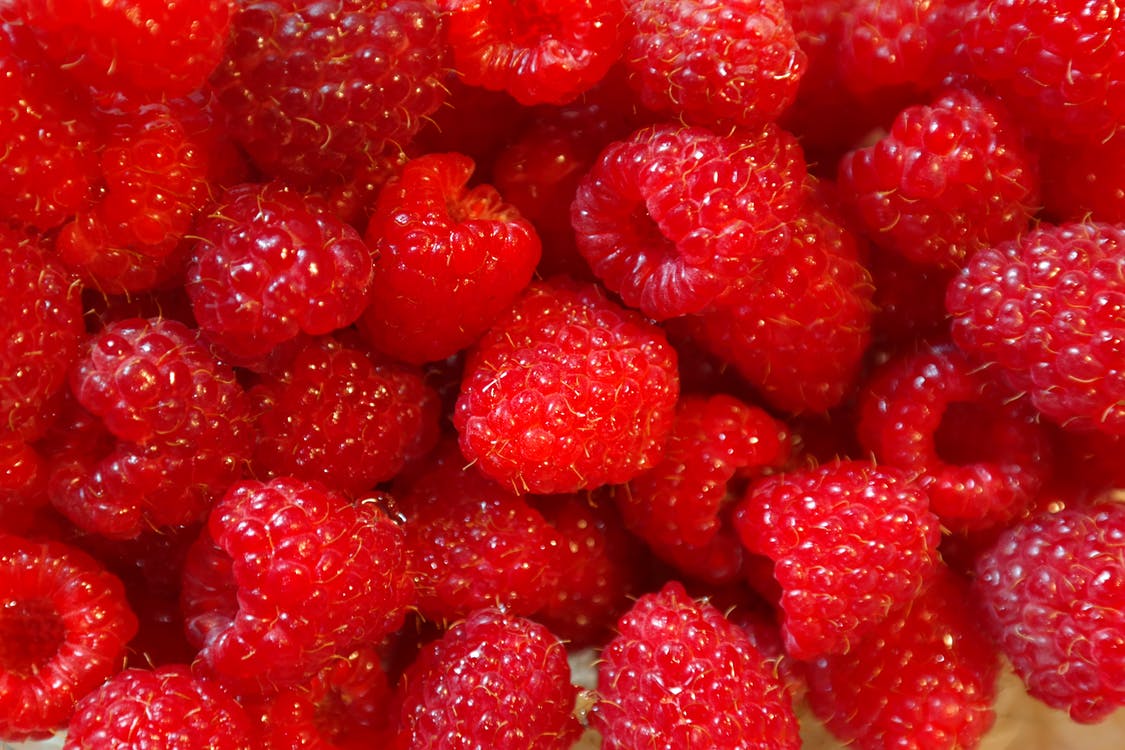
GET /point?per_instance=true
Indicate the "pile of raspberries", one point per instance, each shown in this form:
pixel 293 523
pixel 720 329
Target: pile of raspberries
pixel 363 361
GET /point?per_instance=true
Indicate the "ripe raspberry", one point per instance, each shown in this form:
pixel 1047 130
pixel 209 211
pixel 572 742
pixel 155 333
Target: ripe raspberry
pixel 287 577
pixel 23 477
pixel 1059 64
pixel 1050 593
pixel 451 260
pixel 948 179
pixel 1081 182
pixel 271 264
pixel 64 623
pixel 923 678
pixel 166 707
pixel 673 217
pixel 312 89
pixel 343 417
pixel 714 63
pixel 539 52
pixel 679 674
pixel 851 543
pixel 980 458
pixel 472 543
pixel 1044 312
pixel 567 391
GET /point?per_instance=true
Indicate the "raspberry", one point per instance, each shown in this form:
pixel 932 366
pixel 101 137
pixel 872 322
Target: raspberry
pixel 1049 591
pixel 64 623
pixel 287 577
pixel 165 707
pixel 567 391
pixel 271 264
pixel 714 63
pixel 673 217
pixel 342 417
pixel 923 678
pixel 538 52
pixel 850 543
pixel 492 681
pixel 1043 312
pixel 679 674
pixel 451 260
pixel 980 458
pixel 311 89
pixel 948 179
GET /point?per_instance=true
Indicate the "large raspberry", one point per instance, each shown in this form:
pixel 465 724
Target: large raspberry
pixel 567 391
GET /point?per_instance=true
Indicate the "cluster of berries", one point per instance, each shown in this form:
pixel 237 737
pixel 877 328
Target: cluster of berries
pixel 362 360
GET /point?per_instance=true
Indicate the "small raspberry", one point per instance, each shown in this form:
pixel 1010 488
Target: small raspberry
pixel 672 218
pixel 270 264
pixel 714 63
pixel 310 89
pixel 1050 593
pixel 492 681
pixel 64 624
pixel 851 543
pixel 567 391
pixel 980 458
pixel 166 707
pixel 450 260
pixel 923 678
pixel 679 674
pixel 1044 312
pixel 948 179
pixel 539 52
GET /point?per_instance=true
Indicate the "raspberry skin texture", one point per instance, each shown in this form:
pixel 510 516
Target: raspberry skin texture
pixel 850 543
pixel 493 682
pixel 1049 593
pixel 950 178
pixel 450 260
pixel 63 632
pixel 1060 64
pixel 311 90
pixel 342 416
pixel 288 576
pixel 712 63
pixel 924 678
pixel 929 411
pixel 539 52
pixel 1044 314
pixel 567 391
pixel 679 674
pixel 673 217
pixel 270 264
pixel 166 707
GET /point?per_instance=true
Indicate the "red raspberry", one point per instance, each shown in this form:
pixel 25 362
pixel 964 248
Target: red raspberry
pixel 343 417
pixel 948 179
pixel 673 217
pixel 166 707
pixel 537 51
pixel 311 89
pixel 451 260
pixel 980 458
pixel 714 63
pixel 1050 593
pixel 286 578
pixel 568 391
pixel 1059 63
pixel 1044 312
pixel 1081 182
pixel 472 543
pixel 64 624
pixel 270 264
pixel 851 543
pixel 494 680
pixel 679 674
pixel 23 478
pixel 923 678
